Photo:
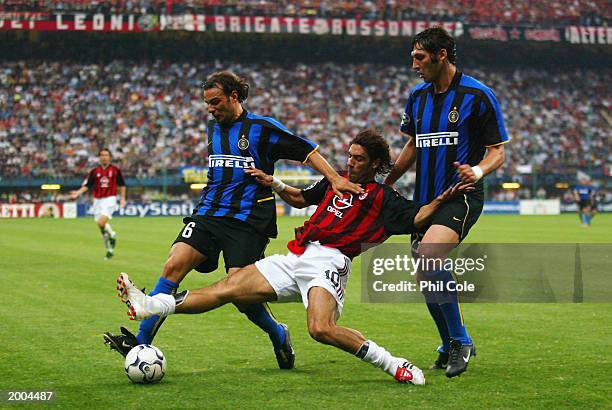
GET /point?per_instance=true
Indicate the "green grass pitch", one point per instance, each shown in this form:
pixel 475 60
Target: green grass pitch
pixel 59 297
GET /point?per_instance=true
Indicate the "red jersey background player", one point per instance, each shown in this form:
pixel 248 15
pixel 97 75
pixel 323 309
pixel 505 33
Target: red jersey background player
pixel 104 180
pixel 317 269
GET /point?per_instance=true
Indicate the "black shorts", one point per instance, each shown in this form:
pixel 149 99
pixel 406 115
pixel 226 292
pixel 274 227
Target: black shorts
pixel 584 203
pixel 459 214
pixel 240 243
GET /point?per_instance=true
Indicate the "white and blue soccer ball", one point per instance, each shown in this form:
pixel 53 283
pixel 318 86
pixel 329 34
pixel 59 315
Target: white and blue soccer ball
pixel 145 364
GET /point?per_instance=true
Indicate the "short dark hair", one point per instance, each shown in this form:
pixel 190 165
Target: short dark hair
pixel 228 82
pixel 435 39
pixel 104 149
pixel 377 148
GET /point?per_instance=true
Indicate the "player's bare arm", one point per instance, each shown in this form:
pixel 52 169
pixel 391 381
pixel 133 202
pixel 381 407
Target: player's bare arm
pixel 338 184
pixel 494 159
pixel 427 211
pixel 122 191
pixel 293 196
pixel 78 192
pixel 404 162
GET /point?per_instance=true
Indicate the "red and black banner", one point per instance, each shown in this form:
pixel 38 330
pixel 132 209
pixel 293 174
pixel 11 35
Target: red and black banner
pixel 294 25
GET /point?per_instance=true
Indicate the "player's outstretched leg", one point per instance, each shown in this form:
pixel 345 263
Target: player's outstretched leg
pixel 322 314
pixel 141 306
pixel 247 286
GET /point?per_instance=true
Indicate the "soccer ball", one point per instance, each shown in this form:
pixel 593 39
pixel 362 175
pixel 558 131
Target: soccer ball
pixel 145 364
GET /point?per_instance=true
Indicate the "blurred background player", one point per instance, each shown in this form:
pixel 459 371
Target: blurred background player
pixel 104 180
pixel 451 119
pixel 235 215
pixel 584 194
pixel 318 266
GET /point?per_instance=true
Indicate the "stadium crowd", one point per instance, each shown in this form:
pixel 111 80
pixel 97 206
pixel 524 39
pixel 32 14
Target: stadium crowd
pixel 590 12
pixel 54 117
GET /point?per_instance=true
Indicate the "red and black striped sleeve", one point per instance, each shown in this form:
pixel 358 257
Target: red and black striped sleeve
pixel 398 213
pixel 315 193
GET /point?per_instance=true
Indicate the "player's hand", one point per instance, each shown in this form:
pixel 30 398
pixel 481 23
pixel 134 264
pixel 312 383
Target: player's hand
pixel 458 188
pixel 260 176
pixel 341 185
pixel 465 173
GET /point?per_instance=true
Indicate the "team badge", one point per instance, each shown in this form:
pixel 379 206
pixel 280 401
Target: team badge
pixel 453 116
pixel 243 143
pixel 344 202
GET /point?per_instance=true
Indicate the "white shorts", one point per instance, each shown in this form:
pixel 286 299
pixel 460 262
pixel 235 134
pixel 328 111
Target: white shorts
pixel 291 276
pixel 104 207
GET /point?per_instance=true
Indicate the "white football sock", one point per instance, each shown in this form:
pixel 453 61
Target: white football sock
pixel 161 304
pixel 105 237
pixel 381 358
pixel 109 230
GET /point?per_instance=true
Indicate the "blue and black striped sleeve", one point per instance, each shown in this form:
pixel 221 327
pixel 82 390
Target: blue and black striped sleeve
pixel 286 145
pixel 493 129
pixel 407 125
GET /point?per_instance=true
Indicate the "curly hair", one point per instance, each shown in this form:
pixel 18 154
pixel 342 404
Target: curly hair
pixel 376 147
pixel 228 82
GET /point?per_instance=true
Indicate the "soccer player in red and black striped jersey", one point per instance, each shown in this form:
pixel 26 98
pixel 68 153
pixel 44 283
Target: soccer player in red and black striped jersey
pixel 105 181
pixel 318 266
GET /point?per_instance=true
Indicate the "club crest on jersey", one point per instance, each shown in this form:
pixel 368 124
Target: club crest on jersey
pixel 453 116
pixel 243 143
pixel 340 203
pixel 344 202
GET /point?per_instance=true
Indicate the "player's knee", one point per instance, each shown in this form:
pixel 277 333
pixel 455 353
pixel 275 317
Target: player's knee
pixel 428 251
pixel 174 270
pixel 321 332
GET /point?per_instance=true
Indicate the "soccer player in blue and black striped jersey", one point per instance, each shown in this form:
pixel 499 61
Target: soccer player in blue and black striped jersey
pixel 236 216
pixel 451 120
pixel 584 196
